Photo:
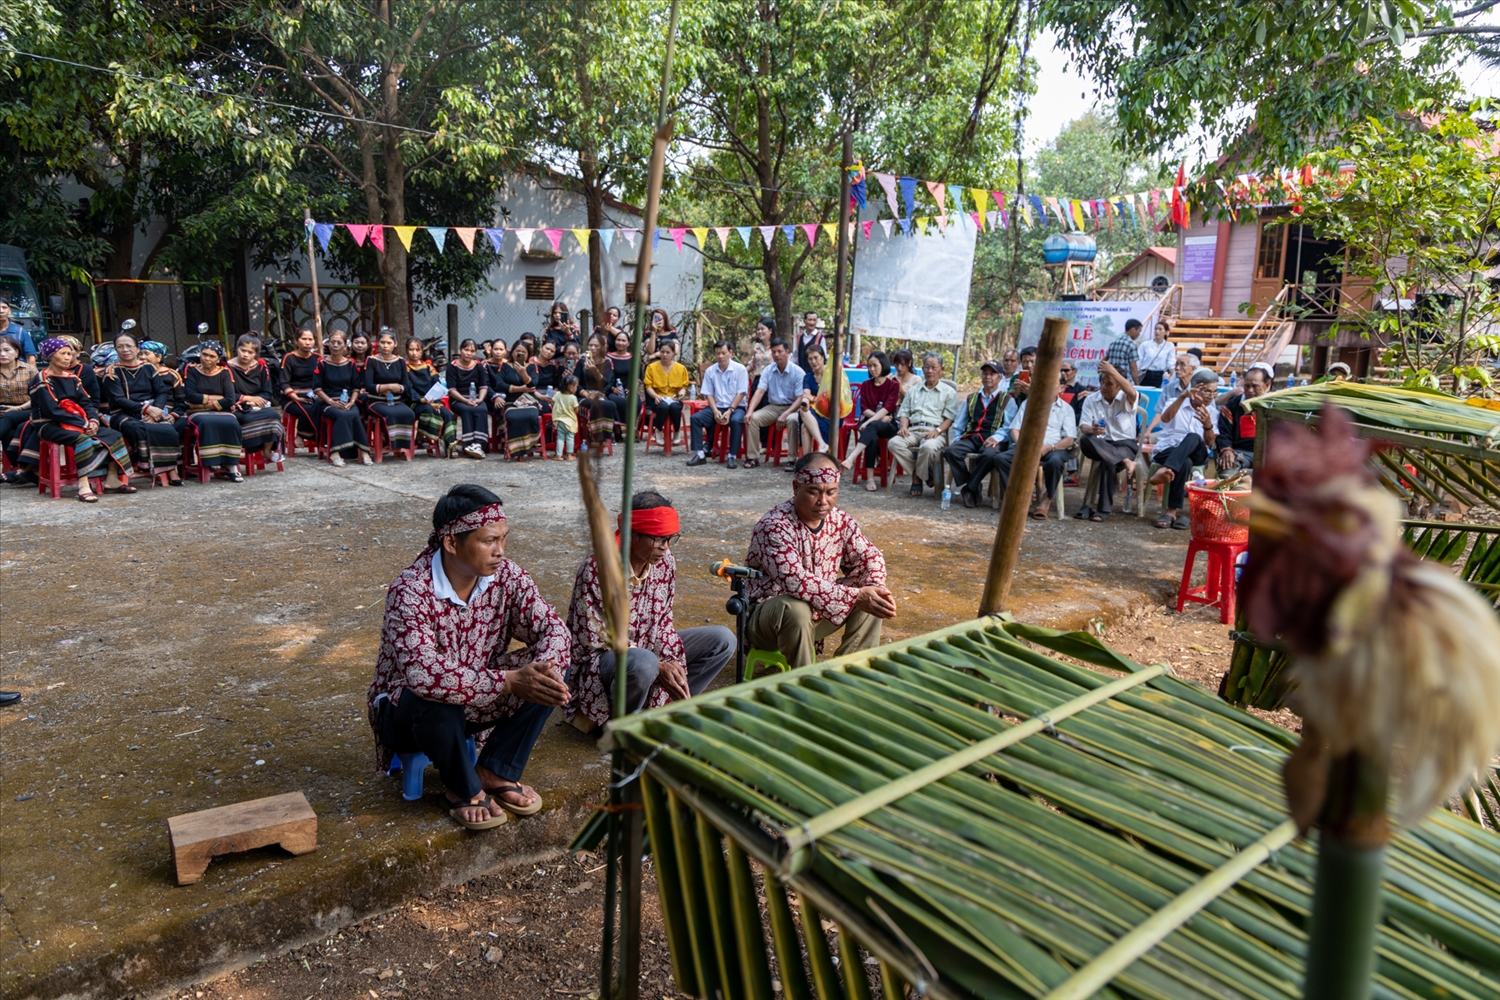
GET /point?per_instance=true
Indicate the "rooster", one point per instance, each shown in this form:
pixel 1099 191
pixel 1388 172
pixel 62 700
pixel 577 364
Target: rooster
pixel 1396 662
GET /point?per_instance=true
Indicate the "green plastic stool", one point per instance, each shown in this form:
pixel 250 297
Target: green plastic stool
pixel 764 657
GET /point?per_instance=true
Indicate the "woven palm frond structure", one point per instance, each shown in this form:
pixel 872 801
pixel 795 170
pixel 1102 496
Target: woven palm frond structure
pixel 970 814
pixel 1437 453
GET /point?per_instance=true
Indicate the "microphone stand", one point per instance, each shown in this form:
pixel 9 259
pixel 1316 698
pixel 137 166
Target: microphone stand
pixel 740 608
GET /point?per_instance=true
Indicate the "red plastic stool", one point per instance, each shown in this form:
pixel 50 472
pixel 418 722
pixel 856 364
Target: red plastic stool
pixel 720 450
pixel 1218 584
pixel 882 463
pixel 191 463
pixel 56 469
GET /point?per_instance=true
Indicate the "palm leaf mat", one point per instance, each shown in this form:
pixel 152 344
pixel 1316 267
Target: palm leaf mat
pixel 1154 814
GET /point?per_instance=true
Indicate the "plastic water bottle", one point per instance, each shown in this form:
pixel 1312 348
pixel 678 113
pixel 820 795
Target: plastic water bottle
pixel 1232 380
pixel 692 391
pixel 390 398
pixel 343 395
pixel 1198 479
pixel 947 496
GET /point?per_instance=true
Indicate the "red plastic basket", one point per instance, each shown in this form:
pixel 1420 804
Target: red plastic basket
pixel 1218 515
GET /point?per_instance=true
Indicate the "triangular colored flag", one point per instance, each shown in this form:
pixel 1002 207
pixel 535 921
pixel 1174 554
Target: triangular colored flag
pixel 1052 204
pixel 497 237
pixel 582 236
pixel 701 232
pixel 956 192
pixel 630 233
pixel 554 236
pixel 722 232
pixel 524 237
pixel 607 237
pixel 1078 214
pixel 744 232
pixel 980 196
pixel 935 188
pixel 404 234
pixel 909 194
pixel 1036 203
pixel 922 224
pixel 884 224
pixel 466 236
pixel 996 217
pixel 377 238
pixel 831 230
pixel 324 231
pixel 866 226
pixel 766 232
pixel 439 235
pixel 790 232
pixel 1088 208
pixel 999 197
pixel 811 229
pixel 678 232
pixel 888 182
pixel 655 239
pixel 905 226
pixel 358 232
pixel 978 220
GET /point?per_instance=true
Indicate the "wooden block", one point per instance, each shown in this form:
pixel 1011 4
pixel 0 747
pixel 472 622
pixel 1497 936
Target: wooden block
pixel 280 819
pixel 583 723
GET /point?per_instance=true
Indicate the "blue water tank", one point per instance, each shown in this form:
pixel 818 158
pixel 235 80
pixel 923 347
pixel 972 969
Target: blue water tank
pixel 1059 248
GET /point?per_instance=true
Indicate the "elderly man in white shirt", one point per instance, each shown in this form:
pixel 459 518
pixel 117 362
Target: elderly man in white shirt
pixel 1108 436
pixel 1186 438
pixel 1062 431
pixel 923 420
pixel 726 383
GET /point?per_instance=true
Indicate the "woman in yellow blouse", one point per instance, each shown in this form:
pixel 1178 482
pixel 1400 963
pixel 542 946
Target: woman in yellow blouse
pixel 666 382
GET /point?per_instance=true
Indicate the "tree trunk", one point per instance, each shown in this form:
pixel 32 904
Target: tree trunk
pixel 394 272
pixel 593 190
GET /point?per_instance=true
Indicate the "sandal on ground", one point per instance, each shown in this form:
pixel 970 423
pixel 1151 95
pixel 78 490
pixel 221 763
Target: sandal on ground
pixel 1040 511
pixel 1182 523
pixel 88 498
pixel 870 485
pixel 122 488
pixel 12 478
pixel 1084 513
pixel 1164 521
pixel 235 477
pixel 916 489
pixel 1099 516
pixel 177 482
pixel 498 816
pixel 520 789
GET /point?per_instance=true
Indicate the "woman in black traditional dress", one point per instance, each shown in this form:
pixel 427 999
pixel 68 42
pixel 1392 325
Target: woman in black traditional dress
pixel 468 390
pixel 600 390
pixel 359 351
pixel 65 414
pixel 386 386
pixel 258 383
pixel 521 406
pixel 299 384
pixel 434 420
pixel 138 404
pixel 340 385
pixel 211 398
pixel 546 373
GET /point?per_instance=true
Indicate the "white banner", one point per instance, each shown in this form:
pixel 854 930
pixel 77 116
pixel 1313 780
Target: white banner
pixel 1092 325
pixel 915 288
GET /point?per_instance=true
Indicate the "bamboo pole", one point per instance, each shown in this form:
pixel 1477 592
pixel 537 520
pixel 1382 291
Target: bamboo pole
pixel 312 270
pixel 625 839
pixel 1007 548
pixel 840 313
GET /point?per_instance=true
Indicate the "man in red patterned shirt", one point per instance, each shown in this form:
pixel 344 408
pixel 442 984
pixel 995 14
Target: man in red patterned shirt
pixel 444 671
pixel 819 571
pixel 663 664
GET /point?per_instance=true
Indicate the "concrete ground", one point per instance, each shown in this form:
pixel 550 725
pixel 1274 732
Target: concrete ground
pixel 186 648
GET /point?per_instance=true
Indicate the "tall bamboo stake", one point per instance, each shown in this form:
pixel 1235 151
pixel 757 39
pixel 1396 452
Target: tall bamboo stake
pixel 624 849
pixel 312 270
pixel 840 312
pixel 1007 550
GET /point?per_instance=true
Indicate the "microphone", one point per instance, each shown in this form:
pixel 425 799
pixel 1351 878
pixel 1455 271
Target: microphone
pixel 732 572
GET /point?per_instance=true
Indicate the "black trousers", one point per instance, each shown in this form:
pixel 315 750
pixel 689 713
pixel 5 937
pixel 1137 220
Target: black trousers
pixel 985 461
pixel 703 423
pixel 668 411
pixel 439 730
pixel 1053 465
pixel 1111 456
pixel 1181 458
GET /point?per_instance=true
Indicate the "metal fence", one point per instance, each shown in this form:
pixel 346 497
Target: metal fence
pixel 354 309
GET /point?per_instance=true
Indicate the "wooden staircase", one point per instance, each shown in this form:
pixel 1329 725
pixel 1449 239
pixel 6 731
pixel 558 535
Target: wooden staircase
pixel 1219 339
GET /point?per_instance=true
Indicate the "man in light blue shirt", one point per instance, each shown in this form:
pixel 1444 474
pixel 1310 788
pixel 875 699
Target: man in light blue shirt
pixel 11 328
pixel 726 383
pixel 780 387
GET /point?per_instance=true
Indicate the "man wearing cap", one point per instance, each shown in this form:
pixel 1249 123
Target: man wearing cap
pixel 446 672
pixel 1236 444
pixel 662 665
pixel 979 434
pixel 1186 438
pixel 1062 432
pixel 819 572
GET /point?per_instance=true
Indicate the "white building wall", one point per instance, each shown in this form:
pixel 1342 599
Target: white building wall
pixel 540 203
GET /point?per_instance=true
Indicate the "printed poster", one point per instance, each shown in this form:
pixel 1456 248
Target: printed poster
pixel 1092 325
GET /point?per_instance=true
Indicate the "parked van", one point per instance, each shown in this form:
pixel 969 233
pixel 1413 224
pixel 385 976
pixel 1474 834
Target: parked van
pixel 26 307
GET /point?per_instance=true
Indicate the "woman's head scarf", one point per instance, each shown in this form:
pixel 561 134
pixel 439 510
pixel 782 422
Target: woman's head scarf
pixel 51 346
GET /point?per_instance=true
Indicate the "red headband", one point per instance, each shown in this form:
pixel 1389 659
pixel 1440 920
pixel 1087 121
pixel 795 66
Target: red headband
pixel 469 522
pixel 819 474
pixel 658 522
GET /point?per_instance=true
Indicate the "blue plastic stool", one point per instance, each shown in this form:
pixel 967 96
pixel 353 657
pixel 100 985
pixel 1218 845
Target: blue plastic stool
pixel 411 767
